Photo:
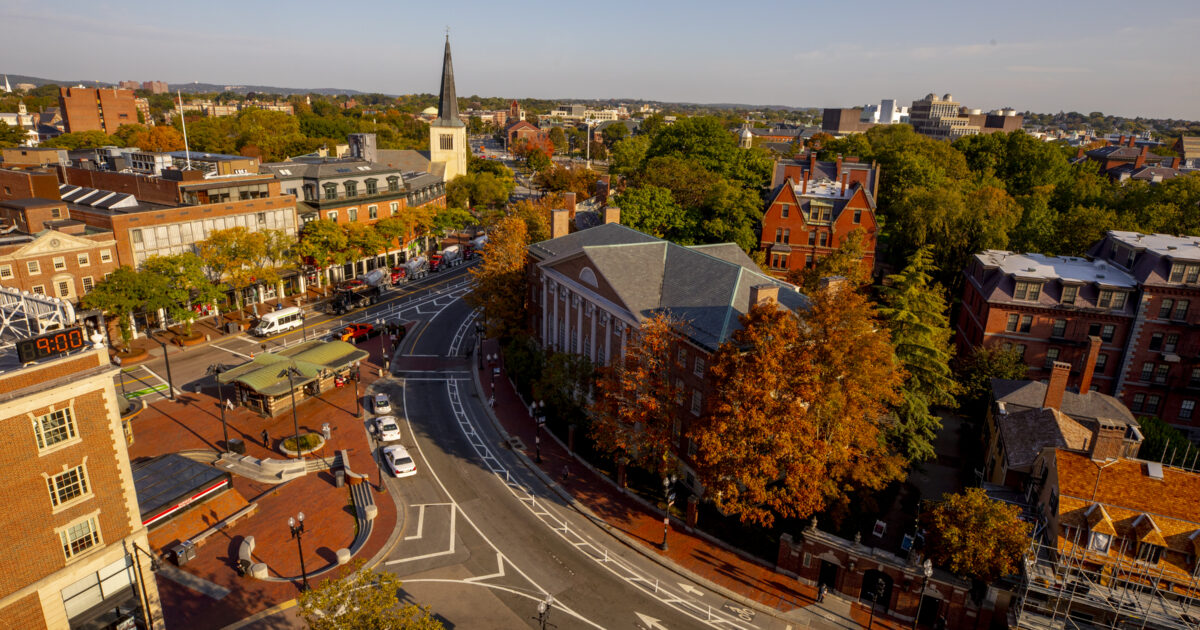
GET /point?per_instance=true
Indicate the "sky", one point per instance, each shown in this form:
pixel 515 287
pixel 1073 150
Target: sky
pixel 1043 56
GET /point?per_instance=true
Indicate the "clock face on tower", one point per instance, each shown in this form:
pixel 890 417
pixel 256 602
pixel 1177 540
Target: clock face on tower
pixel 51 344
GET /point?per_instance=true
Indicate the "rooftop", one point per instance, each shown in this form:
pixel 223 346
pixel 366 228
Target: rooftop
pixel 206 157
pixel 1026 433
pixel 1066 268
pixel 1025 395
pixel 1176 247
pixel 327 168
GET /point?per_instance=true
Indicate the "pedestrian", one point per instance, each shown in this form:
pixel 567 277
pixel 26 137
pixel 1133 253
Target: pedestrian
pixel 229 404
pixel 821 593
pixel 266 438
pixel 492 400
pixel 566 473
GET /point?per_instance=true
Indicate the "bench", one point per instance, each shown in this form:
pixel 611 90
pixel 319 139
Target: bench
pixel 245 551
pixel 365 512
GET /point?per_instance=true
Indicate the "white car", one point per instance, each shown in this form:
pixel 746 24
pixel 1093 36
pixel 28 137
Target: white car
pixel 381 404
pixel 388 428
pixel 399 461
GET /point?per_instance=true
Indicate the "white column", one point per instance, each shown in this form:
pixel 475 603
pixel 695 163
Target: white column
pixel 554 324
pixel 591 349
pixel 579 326
pixel 545 311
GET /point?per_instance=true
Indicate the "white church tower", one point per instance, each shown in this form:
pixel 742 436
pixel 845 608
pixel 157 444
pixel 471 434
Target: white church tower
pixel 448 134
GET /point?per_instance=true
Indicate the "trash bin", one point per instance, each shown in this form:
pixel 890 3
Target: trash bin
pixel 339 477
pixel 230 327
pixel 236 445
pixel 183 552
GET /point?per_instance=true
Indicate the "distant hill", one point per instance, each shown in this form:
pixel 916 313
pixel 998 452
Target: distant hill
pixel 190 87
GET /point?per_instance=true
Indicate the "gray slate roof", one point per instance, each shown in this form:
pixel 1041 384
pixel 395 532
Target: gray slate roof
pixel 329 168
pixel 707 286
pixel 1024 395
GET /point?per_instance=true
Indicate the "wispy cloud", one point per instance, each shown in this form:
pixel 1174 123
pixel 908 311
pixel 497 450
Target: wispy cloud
pixel 1048 69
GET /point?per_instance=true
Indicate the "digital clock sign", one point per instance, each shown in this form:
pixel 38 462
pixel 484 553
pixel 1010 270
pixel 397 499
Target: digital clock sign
pixel 51 344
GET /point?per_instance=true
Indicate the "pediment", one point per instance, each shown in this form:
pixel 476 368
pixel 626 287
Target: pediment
pixel 53 242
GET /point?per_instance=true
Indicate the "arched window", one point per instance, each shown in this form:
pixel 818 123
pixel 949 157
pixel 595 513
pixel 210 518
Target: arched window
pixel 587 276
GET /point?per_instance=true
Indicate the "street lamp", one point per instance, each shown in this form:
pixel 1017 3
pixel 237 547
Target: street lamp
pixel 875 601
pixel 215 370
pixel 669 498
pixel 167 359
pixel 927 568
pixel 544 611
pixel 539 417
pixel 357 402
pixel 492 363
pixel 289 373
pixel 479 338
pixel 297 527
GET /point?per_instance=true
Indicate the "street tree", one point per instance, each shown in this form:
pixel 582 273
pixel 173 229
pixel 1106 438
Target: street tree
pixel 323 243
pixel 536 215
pixel 452 218
pixel 795 426
pixel 628 155
pixel 977 368
pixel 80 140
pixel 970 534
pixel 364 241
pixel 123 293
pixel 653 210
pixel 637 400
pixel 844 262
pixel 916 313
pixel 231 256
pixel 498 281
pixel 363 599
pixel 186 285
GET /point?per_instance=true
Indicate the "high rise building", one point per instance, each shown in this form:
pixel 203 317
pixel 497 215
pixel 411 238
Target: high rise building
pixel 75 550
pixel 448 133
pixel 945 119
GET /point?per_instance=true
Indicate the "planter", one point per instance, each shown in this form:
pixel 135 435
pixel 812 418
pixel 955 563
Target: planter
pixel 315 442
pixel 195 339
pixel 131 356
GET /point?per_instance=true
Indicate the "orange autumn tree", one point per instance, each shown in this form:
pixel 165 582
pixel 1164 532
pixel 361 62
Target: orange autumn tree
pixel 634 410
pixel 972 535
pixel 795 422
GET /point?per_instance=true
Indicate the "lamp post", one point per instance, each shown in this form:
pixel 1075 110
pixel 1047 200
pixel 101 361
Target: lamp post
pixel 215 371
pixel 479 339
pixel 539 418
pixel 357 401
pixel 492 364
pixel 289 372
pixel 297 526
pixel 927 569
pixel 668 498
pixel 167 360
pixel 875 601
pixel 154 564
pixel 544 607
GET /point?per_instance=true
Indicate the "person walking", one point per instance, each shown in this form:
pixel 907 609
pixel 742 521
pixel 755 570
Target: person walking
pixel 821 593
pixel 266 438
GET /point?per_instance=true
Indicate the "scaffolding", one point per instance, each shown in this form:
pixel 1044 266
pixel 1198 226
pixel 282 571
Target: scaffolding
pixel 1069 590
pixel 24 314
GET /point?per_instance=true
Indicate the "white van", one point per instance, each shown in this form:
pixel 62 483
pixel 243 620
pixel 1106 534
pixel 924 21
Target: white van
pixel 275 322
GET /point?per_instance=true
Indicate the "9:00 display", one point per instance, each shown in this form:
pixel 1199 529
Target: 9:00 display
pixel 50 344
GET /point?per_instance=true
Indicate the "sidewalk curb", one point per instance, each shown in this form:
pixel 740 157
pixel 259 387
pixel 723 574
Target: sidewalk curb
pixel 666 563
pixel 401 508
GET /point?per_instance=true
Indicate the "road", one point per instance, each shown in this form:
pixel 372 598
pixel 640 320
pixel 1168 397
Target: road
pixel 485 541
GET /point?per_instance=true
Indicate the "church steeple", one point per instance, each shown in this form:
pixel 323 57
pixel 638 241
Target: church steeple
pixel 447 97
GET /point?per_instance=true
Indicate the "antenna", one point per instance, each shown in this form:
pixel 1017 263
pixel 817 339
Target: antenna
pixel 183 120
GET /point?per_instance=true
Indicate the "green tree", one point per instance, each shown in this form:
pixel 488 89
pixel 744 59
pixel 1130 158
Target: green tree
pixel 844 262
pixel 653 210
pixel 537 161
pixel 498 282
pixel 1037 230
pixel 231 256
pixel 124 292
pixel 970 534
pixel 1164 443
pixel 81 140
pixel 628 155
pixel 364 241
pixel 11 136
pixel 362 599
pixel 1080 226
pixel 614 133
pixel 451 218
pixel 323 243
pixel 916 313
pixel 978 367
pixel 186 284
pixel 559 139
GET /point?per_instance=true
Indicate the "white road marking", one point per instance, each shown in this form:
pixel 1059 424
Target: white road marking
pixel 499 571
pixel 446 492
pixel 688 588
pixel 161 379
pixel 420 524
pixel 649 622
pixel 233 352
pixel 436 554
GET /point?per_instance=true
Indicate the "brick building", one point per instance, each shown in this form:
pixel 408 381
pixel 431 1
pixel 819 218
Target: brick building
pixel 522 130
pixel 813 206
pixel 21 184
pixel 75 550
pixel 945 119
pixel 585 300
pixel 155 87
pixel 843 121
pixel 96 109
pixel 1125 161
pixel 44 250
pixel 1047 307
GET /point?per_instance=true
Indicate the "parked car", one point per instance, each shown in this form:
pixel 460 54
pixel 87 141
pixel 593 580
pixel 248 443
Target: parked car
pixel 388 428
pixel 381 404
pixel 355 333
pixel 399 461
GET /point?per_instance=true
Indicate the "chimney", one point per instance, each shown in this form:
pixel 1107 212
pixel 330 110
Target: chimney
pixel 1121 142
pixel 1132 141
pixel 569 202
pixel 1175 162
pixel 1108 440
pixel 838 173
pixel 560 223
pixel 804 188
pixel 612 214
pixel 762 293
pixel 1079 153
pixel 1057 385
pixel 812 160
pixel 1141 158
pixel 602 190
pixel 845 181
pixel 1089 364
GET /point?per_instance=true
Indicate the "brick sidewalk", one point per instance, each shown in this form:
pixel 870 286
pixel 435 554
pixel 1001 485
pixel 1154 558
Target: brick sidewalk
pixel 193 421
pixel 687 550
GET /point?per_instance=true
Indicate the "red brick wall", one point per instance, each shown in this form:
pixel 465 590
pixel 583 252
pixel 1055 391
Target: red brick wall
pixel 24 185
pixel 1178 386
pixel 49 277
pixel 25 613
pixel 145 188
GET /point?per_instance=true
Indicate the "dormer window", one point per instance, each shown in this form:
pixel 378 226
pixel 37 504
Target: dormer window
pixel 1070 292
pixel 1027 291
pixel 1188 273
pixel 1099 542
pixel 1149 553
pixel 1111 299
